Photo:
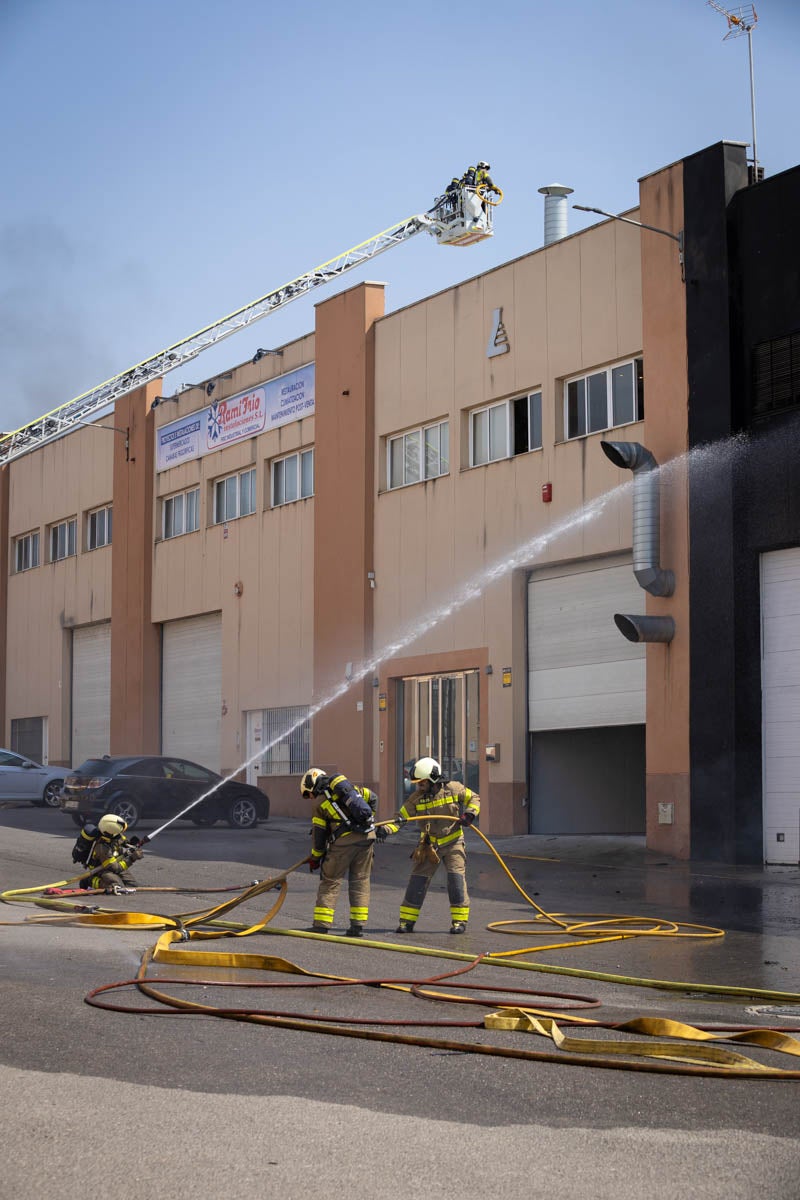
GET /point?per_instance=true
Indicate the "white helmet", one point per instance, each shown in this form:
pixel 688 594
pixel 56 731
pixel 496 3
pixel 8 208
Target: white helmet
pixel 426 769
pixel 483 166
pixel 312 782
pixel 112 825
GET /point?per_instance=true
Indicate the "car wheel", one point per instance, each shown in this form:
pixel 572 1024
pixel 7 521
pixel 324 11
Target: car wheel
pixel 242 812
pixel 126 807
pixel 51 793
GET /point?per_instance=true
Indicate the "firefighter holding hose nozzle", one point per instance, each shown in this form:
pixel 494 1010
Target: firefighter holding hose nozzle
pixel 106 853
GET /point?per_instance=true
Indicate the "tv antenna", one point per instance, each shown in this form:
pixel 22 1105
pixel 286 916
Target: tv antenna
pixel 743 20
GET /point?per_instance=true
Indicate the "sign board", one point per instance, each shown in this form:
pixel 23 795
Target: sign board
pixel 277 402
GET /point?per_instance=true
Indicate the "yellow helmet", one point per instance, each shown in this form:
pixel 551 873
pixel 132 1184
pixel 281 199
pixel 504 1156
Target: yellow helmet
pixel 310 783
pixel 112 825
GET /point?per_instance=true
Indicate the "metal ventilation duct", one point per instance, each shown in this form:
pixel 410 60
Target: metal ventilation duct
pixel 646 515
pixel 645 629
pixel 555 211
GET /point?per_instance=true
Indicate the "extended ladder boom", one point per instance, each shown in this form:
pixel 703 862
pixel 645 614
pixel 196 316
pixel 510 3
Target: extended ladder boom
pixel 458 220
pixel 76 412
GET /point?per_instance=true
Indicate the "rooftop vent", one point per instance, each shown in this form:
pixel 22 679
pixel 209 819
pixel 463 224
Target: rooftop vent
pixel 555 211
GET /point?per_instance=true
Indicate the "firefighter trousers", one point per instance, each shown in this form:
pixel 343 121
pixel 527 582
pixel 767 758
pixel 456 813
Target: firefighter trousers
pixel 454 858
pixel 350 856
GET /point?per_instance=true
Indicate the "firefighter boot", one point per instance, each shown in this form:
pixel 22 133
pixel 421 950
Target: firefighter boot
pixel 458 927
pixel 405 927
pixel 355 930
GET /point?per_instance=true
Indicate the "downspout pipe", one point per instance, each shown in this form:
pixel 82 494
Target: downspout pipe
pixel 646 515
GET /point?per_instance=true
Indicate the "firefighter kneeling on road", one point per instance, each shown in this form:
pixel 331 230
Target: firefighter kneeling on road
pixel 343 833
pixel 103 846
pixel 440 841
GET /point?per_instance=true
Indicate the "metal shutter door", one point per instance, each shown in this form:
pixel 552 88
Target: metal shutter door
pixel 581 671
pixel 192 689
pixel 780 692
pixel 91 692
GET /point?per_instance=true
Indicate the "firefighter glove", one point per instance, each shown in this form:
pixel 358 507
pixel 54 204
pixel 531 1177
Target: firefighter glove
pixel 314 864
pixel 468 818
pixel 381 833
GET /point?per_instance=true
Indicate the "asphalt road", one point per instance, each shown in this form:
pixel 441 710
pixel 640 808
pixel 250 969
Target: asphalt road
pixel 187 1106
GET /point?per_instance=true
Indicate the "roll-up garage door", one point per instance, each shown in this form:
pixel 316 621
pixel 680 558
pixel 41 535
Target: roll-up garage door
pixel 91 692
pixel 192 689
pixel 582 671
pixel 586 701
pixel 780 690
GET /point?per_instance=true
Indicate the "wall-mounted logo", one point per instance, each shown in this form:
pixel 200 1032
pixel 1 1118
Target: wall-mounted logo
pixel 498 338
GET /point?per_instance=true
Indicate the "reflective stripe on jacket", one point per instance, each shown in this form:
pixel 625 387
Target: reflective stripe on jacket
pixel 449 800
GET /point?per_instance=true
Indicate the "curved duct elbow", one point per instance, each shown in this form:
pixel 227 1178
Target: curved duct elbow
pixel 646 515
pixel 645 629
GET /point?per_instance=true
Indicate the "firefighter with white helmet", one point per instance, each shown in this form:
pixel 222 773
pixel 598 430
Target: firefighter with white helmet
pixel 106 853
pixel 343 844
pixel 440 841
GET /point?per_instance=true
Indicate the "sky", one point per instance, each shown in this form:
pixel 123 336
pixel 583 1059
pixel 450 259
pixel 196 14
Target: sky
pixel 166 162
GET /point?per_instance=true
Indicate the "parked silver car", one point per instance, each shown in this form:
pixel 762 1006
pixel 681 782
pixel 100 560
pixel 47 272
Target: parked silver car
pixel 23 779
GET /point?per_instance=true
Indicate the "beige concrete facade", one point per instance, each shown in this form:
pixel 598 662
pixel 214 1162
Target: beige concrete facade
pixel 449 558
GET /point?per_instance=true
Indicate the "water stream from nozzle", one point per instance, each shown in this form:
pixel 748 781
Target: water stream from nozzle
pixel 524 555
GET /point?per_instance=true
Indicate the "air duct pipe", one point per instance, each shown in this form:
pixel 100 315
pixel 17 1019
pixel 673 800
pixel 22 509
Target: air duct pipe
pixel 646 515
pixel 645 629
pixel 555 211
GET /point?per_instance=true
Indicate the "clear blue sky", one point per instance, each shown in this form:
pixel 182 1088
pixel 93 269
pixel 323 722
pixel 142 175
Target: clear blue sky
pixel 167 161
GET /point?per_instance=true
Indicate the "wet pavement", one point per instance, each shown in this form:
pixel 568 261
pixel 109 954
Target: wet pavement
pixel 216 1107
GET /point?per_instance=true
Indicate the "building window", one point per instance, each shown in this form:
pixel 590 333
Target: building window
pixel 419 454
pixel 293 478
pixel 776 376
pixel 98 528
pixel 29 737
pixel 506 429
pixel 26 552
pixel 604 399
pixel 235 496
pixel 286 739
pixel 181 513
pixel 63 539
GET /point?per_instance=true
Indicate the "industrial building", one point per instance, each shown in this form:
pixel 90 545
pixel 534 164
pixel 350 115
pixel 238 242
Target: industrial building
pixel 400 535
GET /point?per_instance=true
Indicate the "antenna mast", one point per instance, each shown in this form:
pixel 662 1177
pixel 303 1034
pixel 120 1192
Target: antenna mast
pixel 743 20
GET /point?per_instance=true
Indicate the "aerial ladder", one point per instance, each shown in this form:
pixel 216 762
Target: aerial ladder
pixel 458 218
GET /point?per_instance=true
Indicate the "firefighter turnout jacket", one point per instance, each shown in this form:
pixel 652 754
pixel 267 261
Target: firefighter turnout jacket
pixel 448 800
pixel 343 811
pixel 111 856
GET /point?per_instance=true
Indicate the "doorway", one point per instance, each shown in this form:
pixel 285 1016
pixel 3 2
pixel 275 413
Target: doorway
pixel 439 717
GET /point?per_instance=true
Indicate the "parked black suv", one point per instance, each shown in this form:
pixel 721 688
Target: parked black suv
pixel 137 788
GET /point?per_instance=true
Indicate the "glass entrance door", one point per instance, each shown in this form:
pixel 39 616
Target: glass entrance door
pixel 439 717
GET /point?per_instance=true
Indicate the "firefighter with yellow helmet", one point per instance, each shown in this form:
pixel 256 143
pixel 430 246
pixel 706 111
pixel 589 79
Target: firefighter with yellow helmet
pixel 106 853
pixel 440 841
pixel 343 844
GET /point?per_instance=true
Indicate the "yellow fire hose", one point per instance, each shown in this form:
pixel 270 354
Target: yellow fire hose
pixel 577 929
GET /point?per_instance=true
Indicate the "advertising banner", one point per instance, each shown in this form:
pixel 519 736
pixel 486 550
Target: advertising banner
pixel 288 398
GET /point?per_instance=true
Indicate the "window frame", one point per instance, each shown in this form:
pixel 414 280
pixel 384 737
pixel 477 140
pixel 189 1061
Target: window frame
pixel 168 504
pixel 70 530
pixel 278 470
pixel 223 490
pixel 582 400
pixel 32 540
pixel 421 434
pixel 512 442
pixel 107 511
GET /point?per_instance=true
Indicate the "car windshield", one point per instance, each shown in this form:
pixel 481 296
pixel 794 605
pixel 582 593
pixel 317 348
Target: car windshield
pixel 94 767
